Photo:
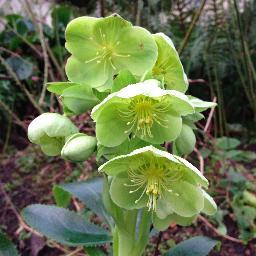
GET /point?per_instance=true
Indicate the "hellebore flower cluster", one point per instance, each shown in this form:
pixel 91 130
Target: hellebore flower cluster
pixel 135 85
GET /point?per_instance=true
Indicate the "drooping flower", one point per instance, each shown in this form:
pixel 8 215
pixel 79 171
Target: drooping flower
pixel 143 110
pixel 168 67
pixel 49 131
pixel 78 147
pixel 149 177
pixel 101 47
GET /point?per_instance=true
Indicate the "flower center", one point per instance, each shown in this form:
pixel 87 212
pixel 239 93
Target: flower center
pixel 141 114
pixel 153 179
pixel 106 52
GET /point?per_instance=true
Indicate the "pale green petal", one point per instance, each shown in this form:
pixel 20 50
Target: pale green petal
pixel 186 141
pixel 168 66
pixel 163 224
pixel 79 38
pixel 107 30
pixel 52 147
pixel 192 172
pixel 201 105
pixel 179 103
pixel 52 125
pixel 82 72
pixel 136 51
pixel 185 199
pixel 78 147
pixel 120 194
pixel 110 129
pixel 169 132
pixel 210 206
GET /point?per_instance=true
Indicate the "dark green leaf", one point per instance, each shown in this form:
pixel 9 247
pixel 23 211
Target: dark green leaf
pixel 62 197
pixel 7 248
pixel 89 192
pixel 196 246
pixel 226 143
pixel 94 251
pixel 22 68
pixel 64 226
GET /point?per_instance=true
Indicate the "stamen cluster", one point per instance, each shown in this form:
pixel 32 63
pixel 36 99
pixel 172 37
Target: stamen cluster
pixel 153 178
pixel 142 113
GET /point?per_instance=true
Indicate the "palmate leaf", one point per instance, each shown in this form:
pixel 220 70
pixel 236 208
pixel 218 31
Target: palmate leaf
pixel 64 226
pixel 196 246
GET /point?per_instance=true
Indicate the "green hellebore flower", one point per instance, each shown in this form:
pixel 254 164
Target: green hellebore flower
pixel 168 66
pixel 143 110
pixel 78 147
pixel 154 178
pixel 49 130
pixel 101 47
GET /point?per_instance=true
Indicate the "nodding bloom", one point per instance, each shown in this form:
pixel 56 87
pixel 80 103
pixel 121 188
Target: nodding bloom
pixel 168 67
pixel 78 147
pixel 101 47
pixel 166 184
pixel 142 110
pixel 49 131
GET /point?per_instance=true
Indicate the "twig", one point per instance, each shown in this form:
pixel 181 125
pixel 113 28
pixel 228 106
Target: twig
pixel 15 117
pixel 159 238
pixel 46 62
pixel 13 208
pixel 55 62
pixel 23 39
pixel 74 252
pixel 209 119
pixel 201 160
pixel 208 224
pixel 193 23
pixel 22 87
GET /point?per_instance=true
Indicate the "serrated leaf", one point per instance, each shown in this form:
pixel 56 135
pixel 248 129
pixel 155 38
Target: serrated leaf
pixel 64 226
pixel 59 87
pixel 196 246
pixel 7 248
pixel 89 192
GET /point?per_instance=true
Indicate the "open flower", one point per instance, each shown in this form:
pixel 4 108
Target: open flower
pixel 143 110
pixel 101 47
pixel 49 130
pixel 168 67
pixel 149 177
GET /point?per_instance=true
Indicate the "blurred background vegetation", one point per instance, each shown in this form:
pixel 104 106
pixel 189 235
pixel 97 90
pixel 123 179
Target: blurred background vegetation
pixel 216 40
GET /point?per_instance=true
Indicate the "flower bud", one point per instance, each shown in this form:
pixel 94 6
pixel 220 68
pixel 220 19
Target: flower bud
pixel 78 147
pixel 49 130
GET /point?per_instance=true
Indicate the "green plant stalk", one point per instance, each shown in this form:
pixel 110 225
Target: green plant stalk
pixel 126 242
